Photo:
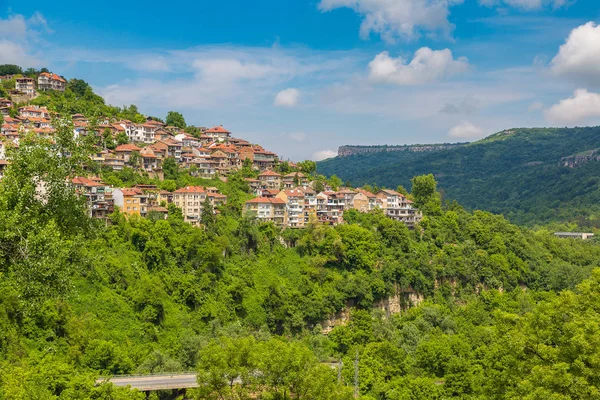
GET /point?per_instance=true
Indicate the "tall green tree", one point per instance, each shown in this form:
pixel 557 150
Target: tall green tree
pixel 425 195
pixel 175 118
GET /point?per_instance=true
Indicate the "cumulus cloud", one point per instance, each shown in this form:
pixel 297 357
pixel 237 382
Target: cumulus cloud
pixel 526 5
pixel 323 155
pixel 582 107
pixel 287 98
pixel 18 38
pixel 398 19
pixel 579 57
pixel 466 130
pixel 426 66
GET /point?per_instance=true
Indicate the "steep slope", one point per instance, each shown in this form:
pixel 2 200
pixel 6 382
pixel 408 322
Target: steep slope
pixel 532 176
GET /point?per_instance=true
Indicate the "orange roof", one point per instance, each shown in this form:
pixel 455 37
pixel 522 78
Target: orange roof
pixel 128 147
pixel 262 200
pixel 52 76
pixel 131 191
pixel 269 173
pixel 191 189
pixel 80 180
pixel 294 193
pixel 217 129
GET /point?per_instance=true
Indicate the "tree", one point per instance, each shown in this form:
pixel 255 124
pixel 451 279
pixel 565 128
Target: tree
pixel 79 87
pixel 207 216
pixel 135 159
pixel 175 118
pixel 107 137
pixel 425 195
pixel 10 69
pixel 335 182
pixel 170 168
pixel 307 166
pixel 122 138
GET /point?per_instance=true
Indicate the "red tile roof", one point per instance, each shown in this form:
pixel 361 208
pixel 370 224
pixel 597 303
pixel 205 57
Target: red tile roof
pixel 217 129
pixel 263 200
pixel 83 181
pixel 270 173
pixel 191 189
pixel 128 147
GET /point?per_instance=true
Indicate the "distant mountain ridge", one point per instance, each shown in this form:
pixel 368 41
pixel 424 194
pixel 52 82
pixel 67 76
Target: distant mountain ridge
pixel 349 150
pixel 531 175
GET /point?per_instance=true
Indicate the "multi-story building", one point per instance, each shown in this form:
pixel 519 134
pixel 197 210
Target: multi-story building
pixel 49 81
pixel 25 85
pixel 124 151
pixel 128 200
pixel 270 179
pixel 190 199
pixel 34 112
pixel 218 134
pixel 396 206
pixel 268 210
pixel 294 200
pixel 295 179
pixel 98 196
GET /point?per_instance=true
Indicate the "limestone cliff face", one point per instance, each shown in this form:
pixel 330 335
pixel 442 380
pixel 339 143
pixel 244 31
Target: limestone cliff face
pixel 577 160
pixel 348 150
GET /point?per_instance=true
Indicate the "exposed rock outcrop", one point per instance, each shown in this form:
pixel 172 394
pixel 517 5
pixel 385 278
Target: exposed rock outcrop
pixel 578 160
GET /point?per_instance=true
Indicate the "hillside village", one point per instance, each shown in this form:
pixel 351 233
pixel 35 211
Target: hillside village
pixel 287 197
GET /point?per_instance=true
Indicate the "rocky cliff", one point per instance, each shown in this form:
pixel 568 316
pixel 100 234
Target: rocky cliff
pixel 580 159
pixel 349 150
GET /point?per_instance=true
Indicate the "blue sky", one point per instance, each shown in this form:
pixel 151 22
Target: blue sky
pixel 303 77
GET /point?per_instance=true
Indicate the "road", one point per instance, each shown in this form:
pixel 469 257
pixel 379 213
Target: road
pixel 155 382
pixel 147 383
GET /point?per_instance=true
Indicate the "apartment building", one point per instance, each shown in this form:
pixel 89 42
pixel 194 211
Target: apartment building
pixel 218 134
pixel 294 200
pixel 49 81
pixel 98 196
pixel 396 206
pixel 128 200
pixel 268 210
pixel 25 85
pixel 270 179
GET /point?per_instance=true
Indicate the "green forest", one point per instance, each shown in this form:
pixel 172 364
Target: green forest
pixel 487 309
pixel 517 173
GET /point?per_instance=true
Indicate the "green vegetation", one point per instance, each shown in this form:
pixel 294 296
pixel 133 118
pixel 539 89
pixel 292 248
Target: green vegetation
pixel 517 173
pixel 175 118
pixel 480 316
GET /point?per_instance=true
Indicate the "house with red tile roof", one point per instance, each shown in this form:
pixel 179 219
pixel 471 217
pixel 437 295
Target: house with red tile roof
pixel 267 209
pixel 50 81
pixel 270 179
pixel 218 134
pixel 294 200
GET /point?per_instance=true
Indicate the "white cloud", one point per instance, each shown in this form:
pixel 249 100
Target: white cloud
pixel 527 5
pixel 535 106
pixel 323 155
pixel 426 66
pixel 466 130
pixel 398 19
pixel 297 136
pixel 583 107
pixel 18 37
pixel 287 98
pixel 579 57
pixel 13 53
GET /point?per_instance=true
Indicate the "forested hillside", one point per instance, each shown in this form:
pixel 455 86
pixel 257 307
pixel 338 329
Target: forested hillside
pixel 531 176
pixel 480 316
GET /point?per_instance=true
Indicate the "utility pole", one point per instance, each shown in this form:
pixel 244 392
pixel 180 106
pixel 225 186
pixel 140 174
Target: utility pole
pixel 356 375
